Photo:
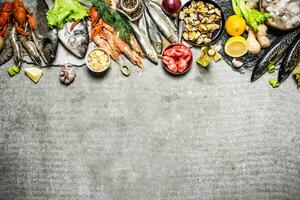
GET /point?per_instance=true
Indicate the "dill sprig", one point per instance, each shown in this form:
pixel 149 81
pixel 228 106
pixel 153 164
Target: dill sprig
pixel 114 18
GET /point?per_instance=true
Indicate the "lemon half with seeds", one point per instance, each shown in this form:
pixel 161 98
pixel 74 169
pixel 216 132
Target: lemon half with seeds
pixel 236 46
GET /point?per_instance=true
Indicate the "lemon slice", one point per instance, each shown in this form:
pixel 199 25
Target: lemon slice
pixel 236 46
pixel 34 74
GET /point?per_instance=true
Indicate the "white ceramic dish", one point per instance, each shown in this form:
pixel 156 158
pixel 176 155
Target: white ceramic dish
pixel 90 67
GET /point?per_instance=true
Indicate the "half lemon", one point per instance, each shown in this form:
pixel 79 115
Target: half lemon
pixel 236 46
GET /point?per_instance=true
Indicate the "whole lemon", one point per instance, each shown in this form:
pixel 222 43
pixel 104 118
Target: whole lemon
pixel 235 25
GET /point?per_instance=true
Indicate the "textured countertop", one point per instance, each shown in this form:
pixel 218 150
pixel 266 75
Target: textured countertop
pixel 208 135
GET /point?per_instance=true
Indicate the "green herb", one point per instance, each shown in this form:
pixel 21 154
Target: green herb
pixel 114 18
pixel 271 69
pixel 12 71
pixel 274 83
pixel 253 17
pixel 64 11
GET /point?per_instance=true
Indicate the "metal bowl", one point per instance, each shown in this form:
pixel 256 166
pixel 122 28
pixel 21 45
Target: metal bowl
pixel 217 34
pixel 274 25
pixel 177 73
pixel 88 64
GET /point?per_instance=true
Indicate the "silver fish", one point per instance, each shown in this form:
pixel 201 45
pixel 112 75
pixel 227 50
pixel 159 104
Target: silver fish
pixel 76 40
pixel 154 34
pixel 7 52
pixel 162 21
pixel 145 44
pixel 290 61
pixel 44 38
pixel 274 54
pixel 31 50
pixel 143 26
pixel 15 47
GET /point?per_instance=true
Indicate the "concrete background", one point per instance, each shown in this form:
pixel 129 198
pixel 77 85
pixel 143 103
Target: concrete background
pixel 208 135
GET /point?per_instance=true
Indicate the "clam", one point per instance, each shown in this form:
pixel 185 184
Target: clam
pixel 217 11
pixel 185 35
pixel 201 20
pixel 192 35
pixel 200 41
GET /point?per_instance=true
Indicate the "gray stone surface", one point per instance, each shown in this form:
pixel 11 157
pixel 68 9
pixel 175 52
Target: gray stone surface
pixel 207 135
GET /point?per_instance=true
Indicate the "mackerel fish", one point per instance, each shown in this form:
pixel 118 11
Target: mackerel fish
pixel 273 55
pixel 290 60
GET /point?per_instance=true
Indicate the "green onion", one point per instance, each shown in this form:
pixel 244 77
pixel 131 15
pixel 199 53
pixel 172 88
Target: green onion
pixel 271 69
pixel 274 83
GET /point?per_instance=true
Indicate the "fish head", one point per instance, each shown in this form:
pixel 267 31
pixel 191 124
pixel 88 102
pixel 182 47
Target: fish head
pixel 283 74
pixel 153 58
pixel 79 43
pixel 75 40
pixel 173 39
pixel 158 47
pixel 258 71
pixel 49 53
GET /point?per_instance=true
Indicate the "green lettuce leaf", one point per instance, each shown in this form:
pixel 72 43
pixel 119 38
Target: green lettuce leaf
pixel 64 11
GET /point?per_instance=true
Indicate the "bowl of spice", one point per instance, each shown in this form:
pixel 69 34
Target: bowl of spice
pixel 129 5
pixel 132 9
pixel 98 60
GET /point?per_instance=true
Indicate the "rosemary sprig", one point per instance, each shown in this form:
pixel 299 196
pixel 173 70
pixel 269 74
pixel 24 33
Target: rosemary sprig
pixel 114 18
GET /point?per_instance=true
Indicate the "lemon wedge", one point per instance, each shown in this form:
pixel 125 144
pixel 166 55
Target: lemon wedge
pixel 34 74
pixel 236 46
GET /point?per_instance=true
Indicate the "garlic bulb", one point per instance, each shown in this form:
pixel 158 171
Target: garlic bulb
pixel 67 74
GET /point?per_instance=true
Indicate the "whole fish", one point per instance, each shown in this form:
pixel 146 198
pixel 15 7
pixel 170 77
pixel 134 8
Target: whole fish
pixel 15 47
pixel 31 50
pixel 145 44
pixel 154 34
pixel 162 21
pixel 7 52
pixel 44 38
pixel 143 26
pixel 273 55
pixel 290 60
pixel 75 40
